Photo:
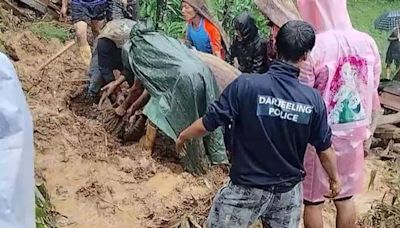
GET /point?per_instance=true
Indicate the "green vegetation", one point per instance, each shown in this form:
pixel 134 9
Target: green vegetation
pixel 363 14
pixel 44 214
pixel 50 30
pixel 167 14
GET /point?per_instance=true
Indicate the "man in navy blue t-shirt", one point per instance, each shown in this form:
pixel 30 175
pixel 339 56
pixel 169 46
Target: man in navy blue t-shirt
pixel 273 118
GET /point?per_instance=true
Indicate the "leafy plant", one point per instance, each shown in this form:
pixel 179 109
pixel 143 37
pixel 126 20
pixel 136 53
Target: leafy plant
pixel 44 216
pixel 49 30
pixel 168 17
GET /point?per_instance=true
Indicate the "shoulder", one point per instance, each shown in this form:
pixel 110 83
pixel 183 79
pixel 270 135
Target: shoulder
pixel 253 80
pixel 312 94
pixel 210 27
pixel 365 36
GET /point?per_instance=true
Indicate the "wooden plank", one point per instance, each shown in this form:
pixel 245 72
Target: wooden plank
pixel 389 119
pixel 54 7
pixel 55 56
pixel 36 4
pixel 392 87
pixel 16 10
pixel 391 101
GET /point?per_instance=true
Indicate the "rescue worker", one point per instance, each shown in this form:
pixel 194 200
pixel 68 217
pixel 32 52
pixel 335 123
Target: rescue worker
pixel 345 67
pixel 83 13
pixel 248 47
pixel 107 54
pixel 203 31
pixel 273 118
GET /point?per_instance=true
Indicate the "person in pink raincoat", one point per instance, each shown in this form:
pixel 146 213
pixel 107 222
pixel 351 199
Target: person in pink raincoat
pixel 345 67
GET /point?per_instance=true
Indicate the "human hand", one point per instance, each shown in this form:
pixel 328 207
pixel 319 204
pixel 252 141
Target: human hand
pixel 180 145
pixel 130 112
pixel 120 110
pixel 110 88
pixel 120 99
pixel 335 186
pixel 367 146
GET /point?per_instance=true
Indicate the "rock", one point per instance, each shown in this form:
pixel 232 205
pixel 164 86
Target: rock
pixel 396 148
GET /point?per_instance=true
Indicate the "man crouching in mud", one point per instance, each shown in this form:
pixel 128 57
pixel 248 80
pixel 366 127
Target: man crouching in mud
pixel 106 61
pixel 274 118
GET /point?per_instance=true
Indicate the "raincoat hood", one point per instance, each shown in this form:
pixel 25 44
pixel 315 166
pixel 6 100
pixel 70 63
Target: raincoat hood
pixel 278 12
pixel 325 14
pixel 246 26
pixel 200 6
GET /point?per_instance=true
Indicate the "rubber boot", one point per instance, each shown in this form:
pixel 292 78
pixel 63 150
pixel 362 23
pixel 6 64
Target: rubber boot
pixel 150 137
pixel 86 53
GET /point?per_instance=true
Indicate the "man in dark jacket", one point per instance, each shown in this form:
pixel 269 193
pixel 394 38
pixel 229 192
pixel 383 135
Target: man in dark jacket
pixel 393 53
pixel 274 117
pixel 248 47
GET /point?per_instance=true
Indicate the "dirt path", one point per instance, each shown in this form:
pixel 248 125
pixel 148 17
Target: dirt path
pixel 92 180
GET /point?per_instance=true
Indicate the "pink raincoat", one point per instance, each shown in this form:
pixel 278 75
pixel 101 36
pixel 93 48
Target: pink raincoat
pixel 345 67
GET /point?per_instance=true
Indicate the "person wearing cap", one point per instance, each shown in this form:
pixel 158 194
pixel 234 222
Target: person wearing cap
pixel 203 32
pixel 273 118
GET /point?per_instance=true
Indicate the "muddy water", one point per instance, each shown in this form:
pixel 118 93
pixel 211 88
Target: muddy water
pixel 93 181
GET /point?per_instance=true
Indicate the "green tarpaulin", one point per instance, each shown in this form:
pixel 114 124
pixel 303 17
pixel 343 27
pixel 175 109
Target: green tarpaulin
pixel 181 88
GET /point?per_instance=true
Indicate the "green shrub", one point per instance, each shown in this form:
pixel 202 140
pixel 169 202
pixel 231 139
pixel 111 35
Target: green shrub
pixel 50 30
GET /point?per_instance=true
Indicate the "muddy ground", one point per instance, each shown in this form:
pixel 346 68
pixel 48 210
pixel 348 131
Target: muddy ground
pixel 94 181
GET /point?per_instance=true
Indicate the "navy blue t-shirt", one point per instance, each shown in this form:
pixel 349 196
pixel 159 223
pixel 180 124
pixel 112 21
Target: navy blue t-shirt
pixel 274 117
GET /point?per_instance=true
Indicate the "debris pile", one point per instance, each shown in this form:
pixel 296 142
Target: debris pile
pixel 386 146
pixel 386 213
pixel 30 9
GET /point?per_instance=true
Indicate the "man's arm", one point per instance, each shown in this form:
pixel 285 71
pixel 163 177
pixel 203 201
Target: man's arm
pixel 113 85
pixel 328 161
pixel 138 103
pixel 133 94
pixel 321 139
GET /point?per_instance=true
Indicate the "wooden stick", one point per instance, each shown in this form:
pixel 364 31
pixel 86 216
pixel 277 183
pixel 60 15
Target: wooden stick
pixel 55 56
pixel 78 80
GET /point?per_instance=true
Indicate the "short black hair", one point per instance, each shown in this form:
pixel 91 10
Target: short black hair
pixel 294 39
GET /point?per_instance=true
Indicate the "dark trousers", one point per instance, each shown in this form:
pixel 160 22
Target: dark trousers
pixel 106 58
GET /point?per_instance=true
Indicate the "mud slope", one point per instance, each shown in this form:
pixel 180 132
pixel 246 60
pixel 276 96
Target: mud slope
pixel 93 181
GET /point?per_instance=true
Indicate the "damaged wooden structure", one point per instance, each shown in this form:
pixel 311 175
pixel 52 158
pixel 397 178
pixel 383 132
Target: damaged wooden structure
pixel 387 133
pixel 40 7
